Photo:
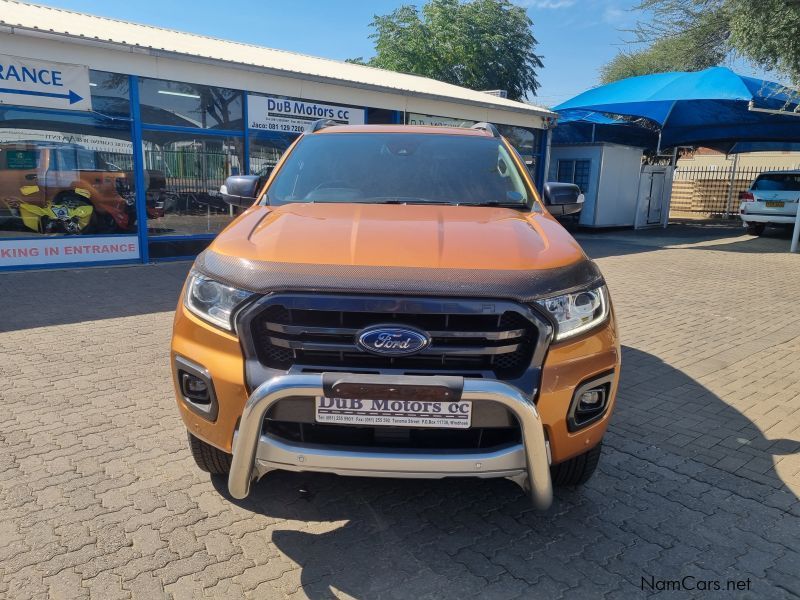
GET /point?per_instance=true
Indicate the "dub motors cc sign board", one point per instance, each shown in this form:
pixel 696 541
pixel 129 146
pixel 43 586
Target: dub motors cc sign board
pixel 285 115
pixel 417 119
pixel 44 84
pixel 17 253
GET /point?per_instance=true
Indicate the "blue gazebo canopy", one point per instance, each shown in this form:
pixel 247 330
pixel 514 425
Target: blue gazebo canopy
pixel 579 126
pixel 715 107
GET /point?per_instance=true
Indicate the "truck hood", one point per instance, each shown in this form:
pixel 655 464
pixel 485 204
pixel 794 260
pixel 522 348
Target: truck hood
pixel 401 236
pixel 417 249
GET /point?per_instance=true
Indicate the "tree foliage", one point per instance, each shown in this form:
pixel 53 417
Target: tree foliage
pixel 479 44
pixel 689 35
pixel 768 33
pixel 680 38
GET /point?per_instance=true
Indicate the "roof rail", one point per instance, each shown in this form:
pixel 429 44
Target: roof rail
pixel 321 124
pixel 487 127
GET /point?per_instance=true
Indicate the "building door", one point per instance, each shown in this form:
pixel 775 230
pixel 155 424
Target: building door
pixel 655 187
pixel 655 198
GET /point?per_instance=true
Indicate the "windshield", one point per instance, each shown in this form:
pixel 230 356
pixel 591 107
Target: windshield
pixel 399 168
pixel 777 182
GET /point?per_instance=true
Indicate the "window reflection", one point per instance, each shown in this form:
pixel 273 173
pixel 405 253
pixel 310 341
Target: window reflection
pixel 183 173
pixel 189 105
pixel 526 141
pixel 265 152
pixel 110 93
pixel 65 175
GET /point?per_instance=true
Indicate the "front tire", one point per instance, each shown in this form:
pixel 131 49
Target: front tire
pixel 208 458
pixel 754 228
pixel 576 470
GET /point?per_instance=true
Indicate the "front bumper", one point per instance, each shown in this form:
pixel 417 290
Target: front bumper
pixel 256 453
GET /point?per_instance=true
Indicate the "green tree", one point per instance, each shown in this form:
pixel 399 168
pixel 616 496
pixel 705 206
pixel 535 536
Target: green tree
pixel 479 44
pixel 768 33
pixel 689 35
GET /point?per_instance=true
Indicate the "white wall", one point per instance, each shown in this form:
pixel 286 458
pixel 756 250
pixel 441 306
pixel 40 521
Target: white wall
pixel 619 186
pixel 588 152
pixel 610 196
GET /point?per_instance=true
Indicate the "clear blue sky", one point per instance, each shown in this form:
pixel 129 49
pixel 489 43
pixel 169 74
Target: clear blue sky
pixel 575 36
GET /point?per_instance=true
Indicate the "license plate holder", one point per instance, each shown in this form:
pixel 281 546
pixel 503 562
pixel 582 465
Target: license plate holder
pixel 774 204
pixel 444 414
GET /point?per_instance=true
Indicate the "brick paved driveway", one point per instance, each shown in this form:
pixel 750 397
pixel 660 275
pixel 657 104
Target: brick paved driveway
pixel 700 475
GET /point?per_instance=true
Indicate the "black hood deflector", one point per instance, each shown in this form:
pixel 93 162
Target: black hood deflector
pixel 521 285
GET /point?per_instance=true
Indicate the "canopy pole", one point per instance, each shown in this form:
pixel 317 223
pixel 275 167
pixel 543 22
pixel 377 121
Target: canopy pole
pixel 730 184
pixel 658 147
pixel 796 230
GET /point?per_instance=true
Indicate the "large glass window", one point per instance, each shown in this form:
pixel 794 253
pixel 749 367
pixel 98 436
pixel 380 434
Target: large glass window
pixel 189 105
pixel 411 168
pixel 574 171
pixel 110 93
pixel 265 152
pixel 65 174
pixel 183 173
pixel 527 142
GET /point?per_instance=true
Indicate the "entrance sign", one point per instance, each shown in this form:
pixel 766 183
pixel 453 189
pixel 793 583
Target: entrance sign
pixel 44 84
pixel 37 251
pixel 285 115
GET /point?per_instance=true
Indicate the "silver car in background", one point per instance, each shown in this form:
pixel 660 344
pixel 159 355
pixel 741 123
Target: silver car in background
pixel 772 198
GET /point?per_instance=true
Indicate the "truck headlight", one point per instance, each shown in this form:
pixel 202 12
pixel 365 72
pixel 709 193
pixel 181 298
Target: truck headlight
pixel 577 312
pixel 213 301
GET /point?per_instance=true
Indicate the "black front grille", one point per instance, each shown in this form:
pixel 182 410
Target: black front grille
pixel 475 438
pixel 499 343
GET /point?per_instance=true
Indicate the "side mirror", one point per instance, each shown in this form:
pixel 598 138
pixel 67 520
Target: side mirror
pixel 241 190
pixel 563 198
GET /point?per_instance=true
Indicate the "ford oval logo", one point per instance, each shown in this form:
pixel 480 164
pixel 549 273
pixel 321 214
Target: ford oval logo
pixel 391 340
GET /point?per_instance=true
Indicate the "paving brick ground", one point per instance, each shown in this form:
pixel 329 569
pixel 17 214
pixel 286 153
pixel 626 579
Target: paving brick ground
pixel 699 478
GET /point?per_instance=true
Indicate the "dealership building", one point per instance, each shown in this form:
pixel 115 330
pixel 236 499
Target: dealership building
pixel 115 137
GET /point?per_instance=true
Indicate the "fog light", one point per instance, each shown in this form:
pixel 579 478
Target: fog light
pixel 194 388
pixel 591 400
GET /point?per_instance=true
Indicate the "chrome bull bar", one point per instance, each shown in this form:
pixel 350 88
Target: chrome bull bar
pixel 533 477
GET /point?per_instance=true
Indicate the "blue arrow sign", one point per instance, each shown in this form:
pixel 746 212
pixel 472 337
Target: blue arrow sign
pixel 71 96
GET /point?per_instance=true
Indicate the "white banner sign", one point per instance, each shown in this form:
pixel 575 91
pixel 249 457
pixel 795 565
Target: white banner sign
pixel 90 142
pixel 45 84
pixel 417 119
pixel 38 251
pixel 294 116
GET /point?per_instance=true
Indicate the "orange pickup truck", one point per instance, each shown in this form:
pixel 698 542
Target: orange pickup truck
pixel 397 302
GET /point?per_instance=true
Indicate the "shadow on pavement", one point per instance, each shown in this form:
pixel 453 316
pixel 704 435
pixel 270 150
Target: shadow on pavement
pixel 59 297
pixel 651 510
pixel 694 236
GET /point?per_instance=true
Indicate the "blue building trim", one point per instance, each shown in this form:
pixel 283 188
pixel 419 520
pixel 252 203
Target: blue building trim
pixel 64 236
pixel 184 237
pixel 198 131
pixel 69 114
pixel 138 169
pixel 70 265
pixel 246 123
pixel 165 259
pixel 540 174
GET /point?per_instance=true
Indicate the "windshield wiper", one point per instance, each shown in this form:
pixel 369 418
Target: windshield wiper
pixel 496 203
pixel 409 200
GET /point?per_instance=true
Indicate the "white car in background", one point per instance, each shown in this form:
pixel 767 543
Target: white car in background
pixel 772 198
